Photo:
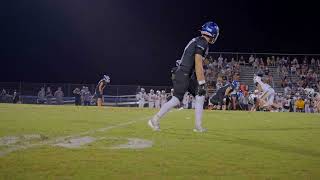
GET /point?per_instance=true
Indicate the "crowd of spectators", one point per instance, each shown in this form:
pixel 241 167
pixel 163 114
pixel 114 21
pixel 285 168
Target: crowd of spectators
pixel 48 97
pixel 298 80
pixel 221 70
pixel 6 97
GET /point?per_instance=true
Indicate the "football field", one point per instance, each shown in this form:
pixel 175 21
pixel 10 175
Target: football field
pixel 67 142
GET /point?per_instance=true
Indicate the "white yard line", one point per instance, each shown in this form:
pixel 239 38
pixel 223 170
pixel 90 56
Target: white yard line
pixel 63 138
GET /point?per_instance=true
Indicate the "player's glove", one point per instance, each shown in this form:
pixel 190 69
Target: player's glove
pixel 226 97
pixel 201 90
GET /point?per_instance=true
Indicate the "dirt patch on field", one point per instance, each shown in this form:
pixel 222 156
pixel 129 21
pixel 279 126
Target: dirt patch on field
pixel 76 142
pixel 21 139
pixel 134 143
pixel 8 140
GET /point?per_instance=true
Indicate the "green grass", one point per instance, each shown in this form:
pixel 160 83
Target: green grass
pixel 238 145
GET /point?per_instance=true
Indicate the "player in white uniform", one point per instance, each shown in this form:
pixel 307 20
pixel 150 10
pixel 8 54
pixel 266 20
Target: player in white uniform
pixel 163 97
pixel 157 99
pixel 141 97
pixel 151 98
pixel 267 97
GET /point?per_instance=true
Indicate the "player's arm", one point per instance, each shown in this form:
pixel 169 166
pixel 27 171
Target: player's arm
pixel 101 87
pixel 199 69
pixel 228 91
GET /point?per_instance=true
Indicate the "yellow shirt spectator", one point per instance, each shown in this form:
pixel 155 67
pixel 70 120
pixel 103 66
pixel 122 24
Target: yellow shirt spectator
pixel 300 104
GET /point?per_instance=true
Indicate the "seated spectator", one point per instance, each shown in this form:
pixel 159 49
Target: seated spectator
pixel 300 105
pixel 293 69
pixel 284 82
pixel 318 85
pixel 313 63
pixel 287 90
pixel 315 76
pixel 41 96
pixel 219 83
pixel 266 71
pixel 269 79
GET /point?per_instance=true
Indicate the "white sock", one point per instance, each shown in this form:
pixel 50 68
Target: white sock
pixel 166 108
pixel 199 111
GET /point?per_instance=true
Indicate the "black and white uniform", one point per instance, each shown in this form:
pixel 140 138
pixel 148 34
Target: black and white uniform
pixel 184 77
pixel 97 92
pixel 217 99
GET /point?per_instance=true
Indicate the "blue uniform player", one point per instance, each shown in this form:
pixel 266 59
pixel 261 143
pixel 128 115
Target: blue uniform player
pixel 100 87
pixel 189 76
pixel 222 96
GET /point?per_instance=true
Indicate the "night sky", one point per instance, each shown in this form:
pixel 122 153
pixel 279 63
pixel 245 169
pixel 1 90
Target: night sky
pixel 137 42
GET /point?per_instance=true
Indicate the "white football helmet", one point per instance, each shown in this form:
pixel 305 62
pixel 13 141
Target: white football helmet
pixel 106 78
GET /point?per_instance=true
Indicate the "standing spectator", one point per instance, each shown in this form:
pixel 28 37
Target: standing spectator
pixel 138 90
pixel 251 60
pixel 86 97
pixel 273 61
pixel 220 62
pixel 157 99
pixel 307 106
pixel 77 96
pixel 256 63
pixel 242 61
pixel 82 91
pixel 141 97
pixel 15 97
pixel 295 61
pixel 186 101
pixel 3 96
pixel 59 96
pixel 41 96
pixel 163 97
pixel 300 105
pixel 268 61
pixel 318 64
pixel 49 95
pixel 151 98
pixel 244 101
